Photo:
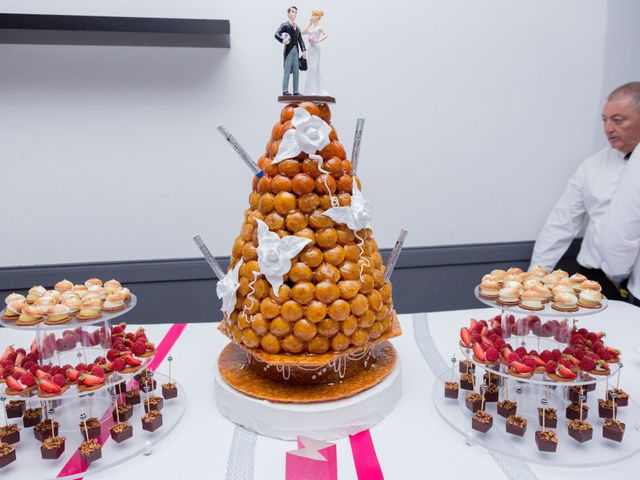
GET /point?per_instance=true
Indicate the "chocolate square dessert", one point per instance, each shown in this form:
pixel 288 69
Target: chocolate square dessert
pixel 507 408
pixel 120 388
pixel 52 448
pixel 169 390
pixel 491 378
pixel 42 430
pixel 121 432
pixel 516 425
pixel 153 403
pixel 482 421
pixel 622 397
pixel 613 429
pixel 10 434
pixel 574 393
pixel 465 366
pixel 473 401
pixel 145 381
pixel 15 408
pixel 7 454
pixel 573 411
pixel 451 390
pixel 124 412
pixel 31 417
pixel 152 421
pixel 91 430
pixel 90 451
pixel 546 441
pixel 580 430
pixel 605 408
pixel 467 381
pixel 551 417
pixel 132 397
pixel 491 393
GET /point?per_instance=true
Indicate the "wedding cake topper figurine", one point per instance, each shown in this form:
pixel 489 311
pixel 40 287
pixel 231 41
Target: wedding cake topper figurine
pixel 313 84
pixel 290 36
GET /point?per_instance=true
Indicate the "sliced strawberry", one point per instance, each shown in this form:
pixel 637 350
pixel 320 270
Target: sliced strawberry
pixel 97 371
pixel 48 386
pixel 59 380
pixel 465 336
pixel 72 374
pixel 14 384
pixel 473 324
pixel 521 367
pixel 135 362
pixel 91 380
pixel 8 352
pixel 478 352
pixel 513 357
pixel 550 366
pixel 41 373
pixel 119 364
pixel 505 352
pixel 529 362
pixel 572 359
pixel 538 360
pixel 565 372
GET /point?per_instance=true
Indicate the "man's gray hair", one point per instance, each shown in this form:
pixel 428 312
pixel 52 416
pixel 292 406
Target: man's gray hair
pixel 631 89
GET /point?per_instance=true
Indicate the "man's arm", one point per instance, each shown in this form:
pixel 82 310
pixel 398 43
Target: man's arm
pixel 619 233
pixel 301 43
pixel 279 32
pixel 563 224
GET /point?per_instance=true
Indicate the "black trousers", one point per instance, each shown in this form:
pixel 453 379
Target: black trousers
pixel 609 289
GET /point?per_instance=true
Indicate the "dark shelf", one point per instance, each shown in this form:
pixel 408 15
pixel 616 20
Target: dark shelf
pixel 121 31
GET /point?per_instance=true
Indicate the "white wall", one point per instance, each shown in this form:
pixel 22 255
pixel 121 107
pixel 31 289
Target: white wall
pixel 477 112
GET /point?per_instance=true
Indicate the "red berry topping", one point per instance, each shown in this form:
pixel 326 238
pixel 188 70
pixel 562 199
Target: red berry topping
pixel 492 355
pixel 529 362
pixel 587 364
pixel 556 355
pixel 97 371
pixel 27 379
pixel 565 362
pixel 513 357
pixel 59 380
pixel 139 349
pixel 550 366
pixel 545 355
pixel 521 351
pixel 119 364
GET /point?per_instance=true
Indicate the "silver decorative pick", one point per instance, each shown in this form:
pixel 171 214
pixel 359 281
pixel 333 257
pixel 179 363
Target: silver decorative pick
pixel 51 412
pixel 83 417
pixel 620 365
pixel 4 409
pixel 169 359
pixel 395 253
pixel 208 256
pixel 240 151
pixel 355 153
pixel 453 367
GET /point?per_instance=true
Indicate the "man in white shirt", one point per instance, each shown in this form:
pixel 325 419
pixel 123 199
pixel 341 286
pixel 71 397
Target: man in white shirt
pixel 618 235
pixel 590 190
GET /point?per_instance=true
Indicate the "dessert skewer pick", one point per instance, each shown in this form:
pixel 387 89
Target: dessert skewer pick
pixel 51 412
pixel 115 401
pixel 170 359
pixel 395 253
pixel 83 419
pixel 483 389
pixel 240 151
pixel 4 409
pixel 613 401
pixel 582 398
pixel 544 402
pixel 355 153
pixel 208 256
pixel 618 377
pixel 453 367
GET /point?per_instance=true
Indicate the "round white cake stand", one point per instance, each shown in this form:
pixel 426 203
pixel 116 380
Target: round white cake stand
pixel 322 421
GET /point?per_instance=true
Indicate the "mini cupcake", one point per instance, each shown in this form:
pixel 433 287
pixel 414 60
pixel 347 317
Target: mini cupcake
pixel 93 281
pixel 531 300
pixel 111 285
pixel 565 302
pixel 512 284
pixel 98 290
pixel 57 314
pixel 13 310
pixel 90 309
pixel 35 293
pixel 562 289
pixel 63 286
pixel 576 280
pixel 544 291
pixel 550 281
pixel 560 273
pixel 509 296
pixel 53 294
pixel 79 289
pixel 114 302
pixel 514 271
pixel 590 299
pixel 498 275
pixel 73 303
pixel 531 282
pixel 590 285
pixel 69 294
pixel 538 272
pixel 489 289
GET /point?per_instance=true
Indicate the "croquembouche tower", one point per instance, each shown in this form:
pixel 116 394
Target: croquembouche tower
pixel 307 305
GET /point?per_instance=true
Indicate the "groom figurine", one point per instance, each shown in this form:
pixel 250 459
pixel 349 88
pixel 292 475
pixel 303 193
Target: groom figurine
pixel 289 34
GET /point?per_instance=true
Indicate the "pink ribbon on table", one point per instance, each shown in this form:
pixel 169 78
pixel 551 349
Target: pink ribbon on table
pixel 76 465
pixel 364 456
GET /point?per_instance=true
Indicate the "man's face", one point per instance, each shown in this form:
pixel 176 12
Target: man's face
pixel 621 121
pixel 292 13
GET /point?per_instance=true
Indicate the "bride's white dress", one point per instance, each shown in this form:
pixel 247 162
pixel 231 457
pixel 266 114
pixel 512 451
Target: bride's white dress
pixel 313 84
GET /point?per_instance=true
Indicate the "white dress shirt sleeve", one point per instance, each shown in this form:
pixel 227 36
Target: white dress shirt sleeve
pixel 619 232
pixel 563 224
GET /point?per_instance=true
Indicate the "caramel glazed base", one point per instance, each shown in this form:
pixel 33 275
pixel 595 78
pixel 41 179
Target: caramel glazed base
pixel 308 378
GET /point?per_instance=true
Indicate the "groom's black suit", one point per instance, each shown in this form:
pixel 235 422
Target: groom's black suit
pixel 294 34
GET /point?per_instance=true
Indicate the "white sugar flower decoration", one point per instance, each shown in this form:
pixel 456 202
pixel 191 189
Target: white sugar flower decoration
pixel 310 134
pixel 227 288
pixel 275 254
pixel 357 216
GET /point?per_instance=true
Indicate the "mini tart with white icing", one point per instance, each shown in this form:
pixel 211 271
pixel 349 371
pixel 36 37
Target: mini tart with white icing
pixel 63 286
pixel 590 285
pixel 562 288
pixel 90 309
pixel 499 275
pixel 73 303
pixel 538 272
pixel 57 314
pixel 35 293
pixel 111 285
pixel 544 292
pixel 93 281
pixel 13 310
pixel 13 297
pixel 576 280
pixel 509 296
pixel 114 302
pixel 565 302
pixel 30 315
pixel 590 299
pixel 489 289
pixel 531 300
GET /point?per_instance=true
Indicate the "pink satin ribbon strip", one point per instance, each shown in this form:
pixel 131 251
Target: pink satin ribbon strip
pixel 364 456
pixel 76 465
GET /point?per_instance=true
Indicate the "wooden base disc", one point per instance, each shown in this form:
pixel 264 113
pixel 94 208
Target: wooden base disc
pixel 306 98
pixel 232 367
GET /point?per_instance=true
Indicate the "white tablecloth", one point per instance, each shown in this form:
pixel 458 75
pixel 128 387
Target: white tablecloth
pixel 412 442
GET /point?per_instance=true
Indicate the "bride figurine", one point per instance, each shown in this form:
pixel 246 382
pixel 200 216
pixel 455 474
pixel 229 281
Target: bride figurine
pixel 313 83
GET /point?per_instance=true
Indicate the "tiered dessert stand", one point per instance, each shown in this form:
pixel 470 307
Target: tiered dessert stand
pixel 93 339
pixel 538 391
